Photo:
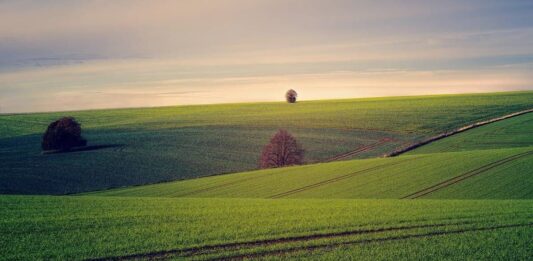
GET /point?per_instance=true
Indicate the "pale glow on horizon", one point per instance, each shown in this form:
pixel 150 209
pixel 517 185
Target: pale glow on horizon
pixel 135 84
pixel 133 53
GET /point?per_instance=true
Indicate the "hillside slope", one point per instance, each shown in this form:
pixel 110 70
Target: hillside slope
pixel 509 133
pixel 401 177
pixel 492 172
pixel 152 145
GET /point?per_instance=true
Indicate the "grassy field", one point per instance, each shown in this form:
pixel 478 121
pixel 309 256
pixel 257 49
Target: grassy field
pixel 161 144
pixel 74 228
pixel 482 167
pixel 338 210
pixel 513 132
pixel 371 178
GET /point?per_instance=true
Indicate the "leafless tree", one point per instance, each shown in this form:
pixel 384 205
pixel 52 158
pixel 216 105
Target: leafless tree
pixel 283 150
pixel 291 96
pixel 63 134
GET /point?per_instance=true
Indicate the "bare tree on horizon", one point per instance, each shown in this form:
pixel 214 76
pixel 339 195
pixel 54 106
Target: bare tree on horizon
pixel 291 96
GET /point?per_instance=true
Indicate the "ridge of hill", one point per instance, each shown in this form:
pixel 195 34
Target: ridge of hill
pixel 150 145
pixel 490 162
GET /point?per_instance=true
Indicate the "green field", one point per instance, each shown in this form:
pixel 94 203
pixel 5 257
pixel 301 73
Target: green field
pixel 509 133
pixel 481 168
pixel 465 197
pixel 74 228
pixel 151 145
pixel 396 177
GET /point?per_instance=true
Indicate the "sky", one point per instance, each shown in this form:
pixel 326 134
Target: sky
pixel 70 55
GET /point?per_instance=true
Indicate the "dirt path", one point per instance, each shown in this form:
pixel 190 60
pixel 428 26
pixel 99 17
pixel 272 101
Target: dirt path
pixel 328 181
pixel 453 132
pixel 466 175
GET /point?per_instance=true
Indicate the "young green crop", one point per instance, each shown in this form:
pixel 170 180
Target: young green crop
pixel 371 178
pixel 75 228
pixel 170 143
pixel 509 133
pixel 421 114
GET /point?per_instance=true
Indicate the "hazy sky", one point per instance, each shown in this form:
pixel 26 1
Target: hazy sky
pixel 66 55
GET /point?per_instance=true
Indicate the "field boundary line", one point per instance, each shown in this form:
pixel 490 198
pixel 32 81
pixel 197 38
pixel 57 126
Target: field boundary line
pixel 361 149
pixel 237 245
pixel 453 132
pixel 466 175
pixel 367 241
pixel 346 176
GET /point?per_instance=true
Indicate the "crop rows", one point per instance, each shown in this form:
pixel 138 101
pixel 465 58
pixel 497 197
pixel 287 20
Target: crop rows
pixel 74 228
pixel 415 175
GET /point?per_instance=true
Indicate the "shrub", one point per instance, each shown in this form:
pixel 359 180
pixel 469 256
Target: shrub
pixel 291 96
pixel 63 134
pixel 283 150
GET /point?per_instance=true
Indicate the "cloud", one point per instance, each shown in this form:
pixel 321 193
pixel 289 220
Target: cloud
pixel 194 48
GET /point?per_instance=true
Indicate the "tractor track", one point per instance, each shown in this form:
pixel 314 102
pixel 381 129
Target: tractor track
pixel 326 246
pixel 344 155
pixel 328 181
pixel 360 149
pixel 254 177
pixel 202 250
pixel 466 175
pixel 214 249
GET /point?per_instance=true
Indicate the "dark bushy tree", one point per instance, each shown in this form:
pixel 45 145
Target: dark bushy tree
pixel 63 134
pixel 283 150
pixel 291 96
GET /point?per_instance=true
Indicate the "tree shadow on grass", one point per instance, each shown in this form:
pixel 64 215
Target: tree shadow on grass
pixel 84 148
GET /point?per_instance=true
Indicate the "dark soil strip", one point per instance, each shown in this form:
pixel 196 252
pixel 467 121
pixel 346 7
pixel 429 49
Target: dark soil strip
pixel 360 150
pixel 453 132
pixel 235 246
pixel 466 175
pixel 328 181
pixel 326 246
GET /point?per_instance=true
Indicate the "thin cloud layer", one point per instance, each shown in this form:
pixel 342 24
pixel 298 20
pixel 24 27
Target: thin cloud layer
pixel 150 53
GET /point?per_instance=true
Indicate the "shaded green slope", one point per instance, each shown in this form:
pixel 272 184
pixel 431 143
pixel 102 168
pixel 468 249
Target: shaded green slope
pixel 371 178
pixel 152 156
pixel 78 228
pixel 162 144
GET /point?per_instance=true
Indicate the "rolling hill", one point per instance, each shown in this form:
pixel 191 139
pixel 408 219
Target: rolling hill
pixel 335 210
pixel 481 168
pixel 150 145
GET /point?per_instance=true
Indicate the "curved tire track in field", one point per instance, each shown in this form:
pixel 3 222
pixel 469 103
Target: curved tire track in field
pixel 466 175
pixel 453 132
pixel 208 249
pixel 332 180
pixel 360 149
pixel 368 241
pixel 213 249
pixel 231 183
pixel 344 155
